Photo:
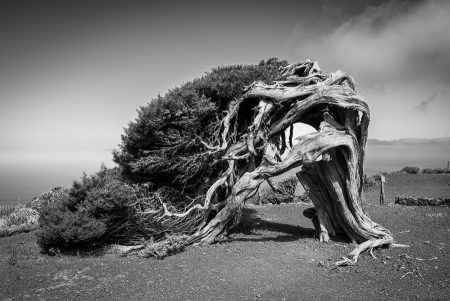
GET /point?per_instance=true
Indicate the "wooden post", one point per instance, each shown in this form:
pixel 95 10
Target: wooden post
pixel 382 181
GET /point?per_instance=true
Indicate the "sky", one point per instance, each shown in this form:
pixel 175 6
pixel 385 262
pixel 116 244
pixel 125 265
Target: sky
pixel 73 73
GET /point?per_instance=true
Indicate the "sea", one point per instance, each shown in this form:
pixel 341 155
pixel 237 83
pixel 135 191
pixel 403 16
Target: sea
pixel 389 158
pixel 24 175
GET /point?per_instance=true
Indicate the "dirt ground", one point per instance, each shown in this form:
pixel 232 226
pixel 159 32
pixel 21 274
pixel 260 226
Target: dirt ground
pixel 272 256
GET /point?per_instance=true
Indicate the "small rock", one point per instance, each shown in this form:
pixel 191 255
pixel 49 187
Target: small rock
pixel 388 257
pixel 26 296
pixel 427 242
pixel 321 264
pixel 258 296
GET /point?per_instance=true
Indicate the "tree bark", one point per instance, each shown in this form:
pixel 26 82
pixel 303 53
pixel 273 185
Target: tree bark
pixel 331 105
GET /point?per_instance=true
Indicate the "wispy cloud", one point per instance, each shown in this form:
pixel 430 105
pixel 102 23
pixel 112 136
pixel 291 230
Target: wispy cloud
pixel 423 106
pixel 398 52
pixel 393 41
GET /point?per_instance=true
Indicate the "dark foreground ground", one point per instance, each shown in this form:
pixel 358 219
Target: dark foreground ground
pixel 273 256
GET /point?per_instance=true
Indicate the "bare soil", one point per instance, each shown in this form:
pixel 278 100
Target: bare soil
pixel 272 256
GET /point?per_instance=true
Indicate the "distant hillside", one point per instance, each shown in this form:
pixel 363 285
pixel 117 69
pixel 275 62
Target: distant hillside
pixel 445 141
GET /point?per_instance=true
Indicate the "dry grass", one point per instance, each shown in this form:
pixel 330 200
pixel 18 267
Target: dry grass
pixel 414 185
pixel 170 245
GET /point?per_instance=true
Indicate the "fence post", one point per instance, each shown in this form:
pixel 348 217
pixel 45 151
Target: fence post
pixel 382 180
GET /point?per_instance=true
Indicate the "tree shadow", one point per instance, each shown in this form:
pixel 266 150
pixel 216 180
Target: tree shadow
pixel 251 223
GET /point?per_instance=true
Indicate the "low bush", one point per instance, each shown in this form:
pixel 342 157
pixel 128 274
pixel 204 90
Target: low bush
pixel 370 182
pixel 47 198
pixel 95 209
pixel 170 245
pixel 288 186
pixel 410 170
pixel 303 198
pixel 63 229
pixel 21 220
pixel 22 216
pixel 104 208
pixel 284 193
pixel 435 170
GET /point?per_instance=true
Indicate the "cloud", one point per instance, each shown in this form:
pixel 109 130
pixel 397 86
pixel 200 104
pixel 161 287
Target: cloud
pixel 423 106
pixel 393 41
pixel 398 52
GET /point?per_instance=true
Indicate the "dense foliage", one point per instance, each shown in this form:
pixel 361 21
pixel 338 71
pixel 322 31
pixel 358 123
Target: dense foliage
pixel 90 211
pixel 47 198
pixel 164 144
pixel 283 191
pixel 371 182
pixel 162 158
pixel 411 170
pixel 435 170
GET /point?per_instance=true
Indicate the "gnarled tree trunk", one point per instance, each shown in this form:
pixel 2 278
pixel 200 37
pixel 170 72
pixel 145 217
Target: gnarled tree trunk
pixel 331 160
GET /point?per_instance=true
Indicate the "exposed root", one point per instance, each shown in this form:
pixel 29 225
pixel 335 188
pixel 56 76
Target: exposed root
pixel 123 250
pixel 352 257
pixel 394 245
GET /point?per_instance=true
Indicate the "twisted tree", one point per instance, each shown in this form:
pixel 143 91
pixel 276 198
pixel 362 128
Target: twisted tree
pixel 208 151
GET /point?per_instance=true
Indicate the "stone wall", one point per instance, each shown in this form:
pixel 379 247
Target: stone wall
pixel 419 201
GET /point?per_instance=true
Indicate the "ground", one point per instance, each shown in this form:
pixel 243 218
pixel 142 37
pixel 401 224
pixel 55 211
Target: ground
pixel 272 256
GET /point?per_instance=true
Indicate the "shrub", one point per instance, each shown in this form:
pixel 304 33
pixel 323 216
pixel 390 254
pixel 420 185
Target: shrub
pixel 47 198
pixel 63 229
pixel 303 198
pixel 22 216
pixel 435 171
pixel 370 182
pixel 170 245
pixel 410 170
pixel 104 208
pixel 288 186
pixel 95 208
pixel 22 219
pixel 285 193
